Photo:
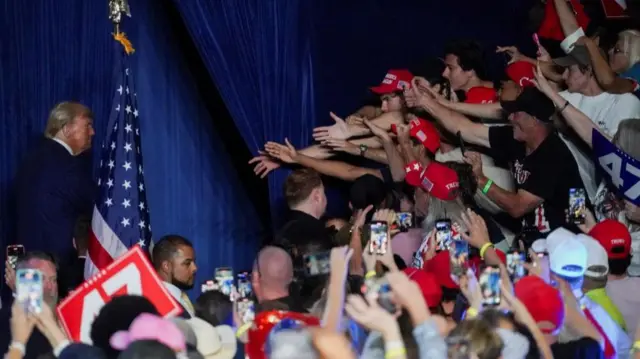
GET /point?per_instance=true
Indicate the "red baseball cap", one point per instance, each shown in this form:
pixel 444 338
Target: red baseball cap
pixel 551 28
pixel 394 80
pixel 437 179
pixel 481 94
pixel 423 131
pixel 521 72
pixel 440 267
pixel 614 237
pixel 428 284
pixel 543 301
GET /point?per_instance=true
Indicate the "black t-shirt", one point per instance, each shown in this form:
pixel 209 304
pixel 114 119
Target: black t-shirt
pixel 583 348
pixel 548 172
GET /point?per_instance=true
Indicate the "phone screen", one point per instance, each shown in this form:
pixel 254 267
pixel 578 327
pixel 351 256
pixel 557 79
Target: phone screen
pixel 379 238
pixel 224 278
pixel 246 310
pixel 458 257
pixel 404 221
pixel 577 205
pixel 443 235
pixel 244 285
pixel 14 252
pixel 29 290
pixel 317 263
pixel 490 286
pixel 515 267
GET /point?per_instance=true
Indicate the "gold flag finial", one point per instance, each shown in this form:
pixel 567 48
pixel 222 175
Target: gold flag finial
pixel 116 8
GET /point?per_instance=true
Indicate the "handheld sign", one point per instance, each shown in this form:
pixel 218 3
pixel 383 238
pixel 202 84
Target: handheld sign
pixel 619 168
pixel 130 274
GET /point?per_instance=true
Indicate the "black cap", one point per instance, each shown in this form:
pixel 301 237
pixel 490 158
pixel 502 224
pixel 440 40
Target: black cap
pixel 532 102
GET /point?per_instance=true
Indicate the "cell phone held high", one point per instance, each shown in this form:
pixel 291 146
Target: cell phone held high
pixel 224 279
pixel 317 263
pixel 379 238
pixel 444 235
pixel 577 205
pixel 515 265
pixel 29 290
pixel 490 286
pixel 244 285
pixel 14 252
pixel 459 257
pixel 404 221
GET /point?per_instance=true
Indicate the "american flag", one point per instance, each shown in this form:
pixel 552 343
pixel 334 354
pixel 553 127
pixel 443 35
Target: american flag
pixel 120 215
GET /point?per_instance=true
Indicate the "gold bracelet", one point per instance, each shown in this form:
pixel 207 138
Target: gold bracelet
pixel 484 248
pixel 395 353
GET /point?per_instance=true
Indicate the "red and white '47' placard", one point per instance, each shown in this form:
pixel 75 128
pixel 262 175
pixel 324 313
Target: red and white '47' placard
pixel 130 274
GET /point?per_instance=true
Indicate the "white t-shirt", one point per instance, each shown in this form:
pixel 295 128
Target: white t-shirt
pixel 607 111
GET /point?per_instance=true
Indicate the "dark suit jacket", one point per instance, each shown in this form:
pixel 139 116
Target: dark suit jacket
pixel 53 188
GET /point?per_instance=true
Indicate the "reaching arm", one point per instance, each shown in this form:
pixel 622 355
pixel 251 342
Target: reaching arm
pixel 567 18
pixel 576 118
pixel 369 111
pixel 517 204
pixel 395 161
pixel 489 111
pixel 337 169
pixel 384 121
pixel 316 151
pixel 608 79
pixel 475 133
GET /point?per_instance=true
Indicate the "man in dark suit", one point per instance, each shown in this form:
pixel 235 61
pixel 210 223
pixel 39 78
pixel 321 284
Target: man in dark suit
pixel 53 185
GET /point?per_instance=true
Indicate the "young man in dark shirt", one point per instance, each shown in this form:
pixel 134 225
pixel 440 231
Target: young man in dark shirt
pixel 543 168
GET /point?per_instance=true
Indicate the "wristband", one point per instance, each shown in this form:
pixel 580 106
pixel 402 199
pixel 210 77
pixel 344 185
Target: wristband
pixel 19 347
pixel 370 274
pixel 60 347
pixel 471 313
pixel 566 103
pixel 487 186
pixel 393 345
pixel 484 248
pixel 243 329
pixel 395 353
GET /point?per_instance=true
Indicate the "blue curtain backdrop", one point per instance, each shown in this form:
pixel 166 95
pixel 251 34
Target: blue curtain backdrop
pixel 55 51
pixel 282 64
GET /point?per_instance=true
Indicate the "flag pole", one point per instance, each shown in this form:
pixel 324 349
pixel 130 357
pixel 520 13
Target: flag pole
pixel 116 9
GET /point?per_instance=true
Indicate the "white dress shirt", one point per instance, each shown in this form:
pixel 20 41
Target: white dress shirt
pixel 176 293
pixel 63 144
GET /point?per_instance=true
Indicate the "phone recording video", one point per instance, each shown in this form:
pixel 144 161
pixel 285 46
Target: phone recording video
pixel 577 205
pixel 490 286
pixel 443 235
pixel 208 286
pixel 515 265
pixel 29 290
pixel 404 221
pixel 379 237
pixel 224 278
pixel 14 252
pixel 317 263
pixel 458 257
pixel 244 285
pixel 246 310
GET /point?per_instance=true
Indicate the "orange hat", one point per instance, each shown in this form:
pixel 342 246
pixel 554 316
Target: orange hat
pixel 521 72
pixel 481 94
pixel 614 237
pixel 394 81
pixel 266 322
pixel 428 284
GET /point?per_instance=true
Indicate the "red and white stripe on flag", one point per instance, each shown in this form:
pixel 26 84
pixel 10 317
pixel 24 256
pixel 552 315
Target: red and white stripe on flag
pixel 614 8
pixel 104 246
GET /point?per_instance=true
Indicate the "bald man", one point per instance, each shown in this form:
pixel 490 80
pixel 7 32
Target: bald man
pixel 272 274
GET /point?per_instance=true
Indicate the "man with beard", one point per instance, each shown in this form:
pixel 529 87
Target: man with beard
pixel 36 344
pixel 175 262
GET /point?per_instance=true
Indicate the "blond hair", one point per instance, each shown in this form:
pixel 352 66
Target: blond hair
pixel 63 114
pixel 481 339
pixel 631 41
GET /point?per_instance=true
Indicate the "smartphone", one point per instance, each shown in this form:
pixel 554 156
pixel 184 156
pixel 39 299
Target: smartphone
pixel 404 221
pixel 515 267
pixel 208 286
pixel 224 278
pixel 246 310
pixel 443 234
pixel 490 286
pixel 459 257
pixel 14 252
pixel 317 263
pixel 577 205
pixel 244 285
pixel 379 237
pixel 461 143
pixel 29 290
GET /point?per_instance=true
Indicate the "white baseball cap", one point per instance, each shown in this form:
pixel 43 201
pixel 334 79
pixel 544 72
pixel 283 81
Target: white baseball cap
pixel 597 258
pixel 539 246
pixel 567 255
pixel 214 342
pixel 556 237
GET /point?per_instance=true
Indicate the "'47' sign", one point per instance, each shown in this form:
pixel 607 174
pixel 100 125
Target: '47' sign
pixel 130 274
pixel 621 170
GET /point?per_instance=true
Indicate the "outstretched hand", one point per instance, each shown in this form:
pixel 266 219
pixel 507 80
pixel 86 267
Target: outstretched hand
pixel 264 164
pixel 339 130
pixel 285 153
